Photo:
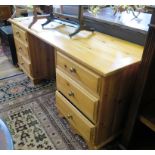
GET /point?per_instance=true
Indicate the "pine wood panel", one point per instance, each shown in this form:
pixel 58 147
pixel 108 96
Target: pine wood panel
pixel 76 119
pixel 22 49
pixel 116 94
pixel 24 64
pixel 20 34
pixel 99 52
pixel 36 58
pixel 86 102
pixel 42 58
pixel 81 74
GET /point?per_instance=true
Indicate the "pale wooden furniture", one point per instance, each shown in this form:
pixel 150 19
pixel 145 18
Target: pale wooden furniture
pixel 36 66
pixel 94 75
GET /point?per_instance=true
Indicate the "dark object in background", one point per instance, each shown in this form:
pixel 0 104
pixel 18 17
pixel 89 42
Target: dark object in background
pixel 45 8
pixel 25 14
pixel 8 44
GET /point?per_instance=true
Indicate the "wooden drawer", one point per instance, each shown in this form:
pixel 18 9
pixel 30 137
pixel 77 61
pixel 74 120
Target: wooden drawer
pixel 83 75
pixel 24 64
pixel 22 49
pixel 79 96
pixel 20 34
pixel 76 119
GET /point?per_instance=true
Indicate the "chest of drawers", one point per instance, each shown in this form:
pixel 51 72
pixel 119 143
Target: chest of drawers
pixel 36 66
pixel 93 104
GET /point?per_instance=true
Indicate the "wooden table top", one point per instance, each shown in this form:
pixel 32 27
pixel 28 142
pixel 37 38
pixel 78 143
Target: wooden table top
pixel 104 54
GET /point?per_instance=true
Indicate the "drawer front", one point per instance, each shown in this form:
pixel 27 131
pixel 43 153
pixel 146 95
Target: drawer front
pixel 75 118
pixel 23 50
pixel 24 64
pixel 83 75
pixel 20 34
pixel 80 97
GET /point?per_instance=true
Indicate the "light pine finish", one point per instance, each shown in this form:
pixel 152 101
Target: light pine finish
pixel 80 73
pixel 115 93
pixel 35 58
pixel 22 49
pixel 42 58
pixel 76 119
pixel 24 64
pixel 20 34
pixel 99 52
pixel 95 76
pixel 86 102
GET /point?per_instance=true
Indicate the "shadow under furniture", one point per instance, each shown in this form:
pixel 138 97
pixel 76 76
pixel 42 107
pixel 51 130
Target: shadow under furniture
pixel 8 44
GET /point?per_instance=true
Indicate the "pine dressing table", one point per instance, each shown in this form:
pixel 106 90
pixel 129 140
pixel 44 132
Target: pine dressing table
pixel 95 75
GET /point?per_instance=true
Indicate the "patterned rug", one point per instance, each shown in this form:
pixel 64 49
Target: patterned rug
pixel 6 68
pixel 32 118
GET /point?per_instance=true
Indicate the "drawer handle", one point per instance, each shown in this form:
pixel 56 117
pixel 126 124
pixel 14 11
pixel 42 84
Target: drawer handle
pixel 20 49
pixel 18 34
pixel 72 70
pixel 69 116
pixel 65 65
pixel 22 63
pixel 71 93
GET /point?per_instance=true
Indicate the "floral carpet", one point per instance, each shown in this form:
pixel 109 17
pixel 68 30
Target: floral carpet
pixel 32 118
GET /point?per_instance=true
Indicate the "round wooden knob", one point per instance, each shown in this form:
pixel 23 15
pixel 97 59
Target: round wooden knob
pixel 72 70
pixel 71 93
pixel 18 34
pixel 69 116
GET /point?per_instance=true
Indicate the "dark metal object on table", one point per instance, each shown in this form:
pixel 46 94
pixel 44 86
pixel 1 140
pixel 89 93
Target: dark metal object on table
pixel 36 17
pixel 76 20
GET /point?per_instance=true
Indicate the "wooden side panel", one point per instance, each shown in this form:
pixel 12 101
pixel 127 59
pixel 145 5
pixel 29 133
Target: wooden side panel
pixel 42 58
pixel 82 99
pixel 116 94
pixel 124 97
pixel 20 34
